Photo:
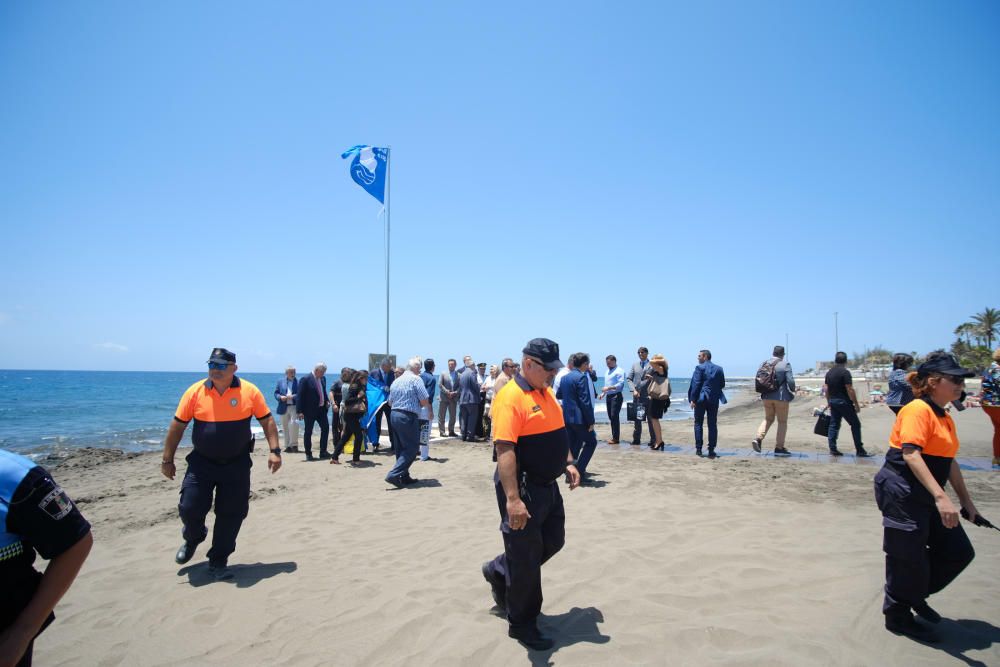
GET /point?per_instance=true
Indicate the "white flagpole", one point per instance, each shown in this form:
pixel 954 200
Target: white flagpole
pixel 388 170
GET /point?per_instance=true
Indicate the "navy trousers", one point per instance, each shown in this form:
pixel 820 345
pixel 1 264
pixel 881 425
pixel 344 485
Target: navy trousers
pixel 582 443
pixel 324 432
pixel 923 561
pixel 841 409
pixel 710 410
pixel 230 485
pixel 614 403
pixel 526 550
pixel 467 413
pixel 406 426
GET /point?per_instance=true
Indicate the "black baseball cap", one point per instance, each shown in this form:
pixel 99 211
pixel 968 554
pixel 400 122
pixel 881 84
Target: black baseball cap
pixel 545 350
pixel 944 364
pixel 221 355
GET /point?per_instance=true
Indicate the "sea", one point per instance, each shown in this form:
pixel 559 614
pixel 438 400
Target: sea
pixel 50 412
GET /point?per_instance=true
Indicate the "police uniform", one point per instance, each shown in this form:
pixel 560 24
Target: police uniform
pixel 532 420
pixel 220 461
pixel 921 555
pixel 35 516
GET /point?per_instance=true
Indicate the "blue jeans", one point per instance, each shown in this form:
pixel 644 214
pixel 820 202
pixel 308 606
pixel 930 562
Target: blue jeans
pixel 841 409
pixel 700 411
pixel 582 443
pixel 407 429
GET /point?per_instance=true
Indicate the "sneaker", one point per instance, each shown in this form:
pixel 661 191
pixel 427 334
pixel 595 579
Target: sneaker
pixel 755 443
pixel 781 451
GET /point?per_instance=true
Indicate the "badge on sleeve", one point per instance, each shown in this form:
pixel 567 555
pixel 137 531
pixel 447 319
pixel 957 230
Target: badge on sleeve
pixel 233 402
pixel 56 504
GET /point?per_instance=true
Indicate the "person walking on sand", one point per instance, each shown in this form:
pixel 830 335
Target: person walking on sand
pixel 312 406
pixel 843 403
pixel 578 412
pixel 219 465
pixel 778 390
pixel 407 396
pixel 532 454
pixel 704 395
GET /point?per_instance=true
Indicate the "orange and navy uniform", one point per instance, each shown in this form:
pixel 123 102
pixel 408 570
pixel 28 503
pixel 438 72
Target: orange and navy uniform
pixel 532 420
pixel 926 426
pixel 221 421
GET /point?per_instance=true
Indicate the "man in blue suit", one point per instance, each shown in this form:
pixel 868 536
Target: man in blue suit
pixel 578 411
pixel 287 393
pixel 704 394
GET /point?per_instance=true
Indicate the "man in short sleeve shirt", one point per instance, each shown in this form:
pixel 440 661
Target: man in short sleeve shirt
pixel 36 516
pixel 221 408
pixel 532 453
pixel 843 404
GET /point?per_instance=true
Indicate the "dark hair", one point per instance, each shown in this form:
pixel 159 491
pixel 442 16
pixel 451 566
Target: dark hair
pixel 901 361
pixel 923 385
pixel 451 360
pixel 707 353
pixel 579 359
pixel 611 357
pixel 779 351
pixel 840 358
pixel 642 349
pixel 428 364
pixel 347 374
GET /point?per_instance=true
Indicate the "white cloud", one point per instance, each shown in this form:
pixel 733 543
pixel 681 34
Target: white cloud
pixel 116 347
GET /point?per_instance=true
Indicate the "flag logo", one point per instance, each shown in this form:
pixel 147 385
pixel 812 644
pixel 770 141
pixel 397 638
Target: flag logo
pixel 368 168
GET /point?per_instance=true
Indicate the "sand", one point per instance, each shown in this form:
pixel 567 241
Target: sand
pixel 669 559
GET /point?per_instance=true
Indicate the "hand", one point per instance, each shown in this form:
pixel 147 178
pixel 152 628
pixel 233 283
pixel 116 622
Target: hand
pixel 13 643
pixel 168 470
pixel 273 462
pixel 635 393
pixel 590 429
pixel 693 406
pixel 949 515
pixel 517 514
pixel 971 510
pixel 572 476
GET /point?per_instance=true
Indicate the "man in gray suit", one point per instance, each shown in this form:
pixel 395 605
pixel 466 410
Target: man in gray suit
pixel 468 400
pixel 639 396
pixel 448 383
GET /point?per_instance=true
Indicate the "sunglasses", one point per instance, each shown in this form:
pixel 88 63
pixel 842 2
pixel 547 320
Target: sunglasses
pixel 954 379
pixel 218 366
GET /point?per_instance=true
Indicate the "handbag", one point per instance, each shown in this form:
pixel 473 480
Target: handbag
pixel 635 412
pixel 822 426
pixel 659 388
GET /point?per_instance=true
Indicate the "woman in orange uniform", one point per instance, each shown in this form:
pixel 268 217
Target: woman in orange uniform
pixel 925 547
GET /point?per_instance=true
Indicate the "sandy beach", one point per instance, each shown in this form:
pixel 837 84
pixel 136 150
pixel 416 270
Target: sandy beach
pixel 669 559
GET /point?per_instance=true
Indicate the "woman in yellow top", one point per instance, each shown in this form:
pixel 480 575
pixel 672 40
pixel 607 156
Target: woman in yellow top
pixel 925 547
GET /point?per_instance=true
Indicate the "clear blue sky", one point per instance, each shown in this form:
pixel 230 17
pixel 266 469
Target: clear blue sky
pixel 603 174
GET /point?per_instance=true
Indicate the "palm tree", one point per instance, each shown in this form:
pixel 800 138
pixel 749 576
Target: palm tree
pixel 987 323
pixel 965 329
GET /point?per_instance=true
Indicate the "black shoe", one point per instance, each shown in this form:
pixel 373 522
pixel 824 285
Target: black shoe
pixel 310 457
pixel 836 452
pixel 531 637
pixel 499 591
pixel 395 481
pixel 906 625
pixel 636 443
pixel 220 572
pixel 712 454
pixel 410 480
pixel 697 452
pixel 755 443
pixel 452 434
pixel 185 553
pixel 864 454
pixel 781 451
pixel 324 455
pixel 925 612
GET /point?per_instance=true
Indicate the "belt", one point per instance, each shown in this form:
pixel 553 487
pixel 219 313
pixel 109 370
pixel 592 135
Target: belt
pixel 538 481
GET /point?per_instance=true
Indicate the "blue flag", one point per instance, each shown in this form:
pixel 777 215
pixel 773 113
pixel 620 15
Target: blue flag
pixel 369 168
pixel 377 394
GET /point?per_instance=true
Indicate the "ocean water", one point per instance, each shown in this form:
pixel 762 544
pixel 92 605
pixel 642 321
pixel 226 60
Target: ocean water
pixel 49 411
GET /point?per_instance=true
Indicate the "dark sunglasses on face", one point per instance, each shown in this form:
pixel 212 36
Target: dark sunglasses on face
pixel 217 366
pixel 955 379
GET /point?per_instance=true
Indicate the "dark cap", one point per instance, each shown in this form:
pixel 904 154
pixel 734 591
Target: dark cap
pixel 481 364
pixel 544 350
pixel 221 355
pixel 944 364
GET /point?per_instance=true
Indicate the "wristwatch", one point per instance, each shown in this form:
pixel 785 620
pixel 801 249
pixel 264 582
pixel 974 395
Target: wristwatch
pixel 276 451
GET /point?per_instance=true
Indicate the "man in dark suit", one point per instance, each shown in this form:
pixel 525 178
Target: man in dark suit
pixel 468 400
pixel 312 406
pixel 704 394
pixel 578 411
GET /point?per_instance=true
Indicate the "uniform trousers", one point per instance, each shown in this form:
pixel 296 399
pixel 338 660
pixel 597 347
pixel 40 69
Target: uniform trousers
pixel 230 484
pixel 526 550
pixel 922 561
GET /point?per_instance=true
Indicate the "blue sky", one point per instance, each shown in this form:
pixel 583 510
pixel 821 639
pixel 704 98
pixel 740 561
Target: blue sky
pixel 602 174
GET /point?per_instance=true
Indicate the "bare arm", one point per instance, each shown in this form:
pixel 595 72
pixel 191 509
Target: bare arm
pixel 58 577
pixel 517 513
pixel 853 396
pixel 271 433
pixel 174 434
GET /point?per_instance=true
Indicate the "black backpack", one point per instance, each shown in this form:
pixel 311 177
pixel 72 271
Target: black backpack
pixel 766 379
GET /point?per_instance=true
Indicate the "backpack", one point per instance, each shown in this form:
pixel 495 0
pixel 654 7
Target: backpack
pixel 766 379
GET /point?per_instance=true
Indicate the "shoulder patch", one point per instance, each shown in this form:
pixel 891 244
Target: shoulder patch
pixel 56 504
pixel 536 408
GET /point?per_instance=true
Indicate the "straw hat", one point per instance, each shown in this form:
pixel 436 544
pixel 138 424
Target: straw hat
pixel 660 362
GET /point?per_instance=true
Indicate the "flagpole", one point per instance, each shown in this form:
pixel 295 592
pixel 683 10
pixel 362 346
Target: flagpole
pixel 388 171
